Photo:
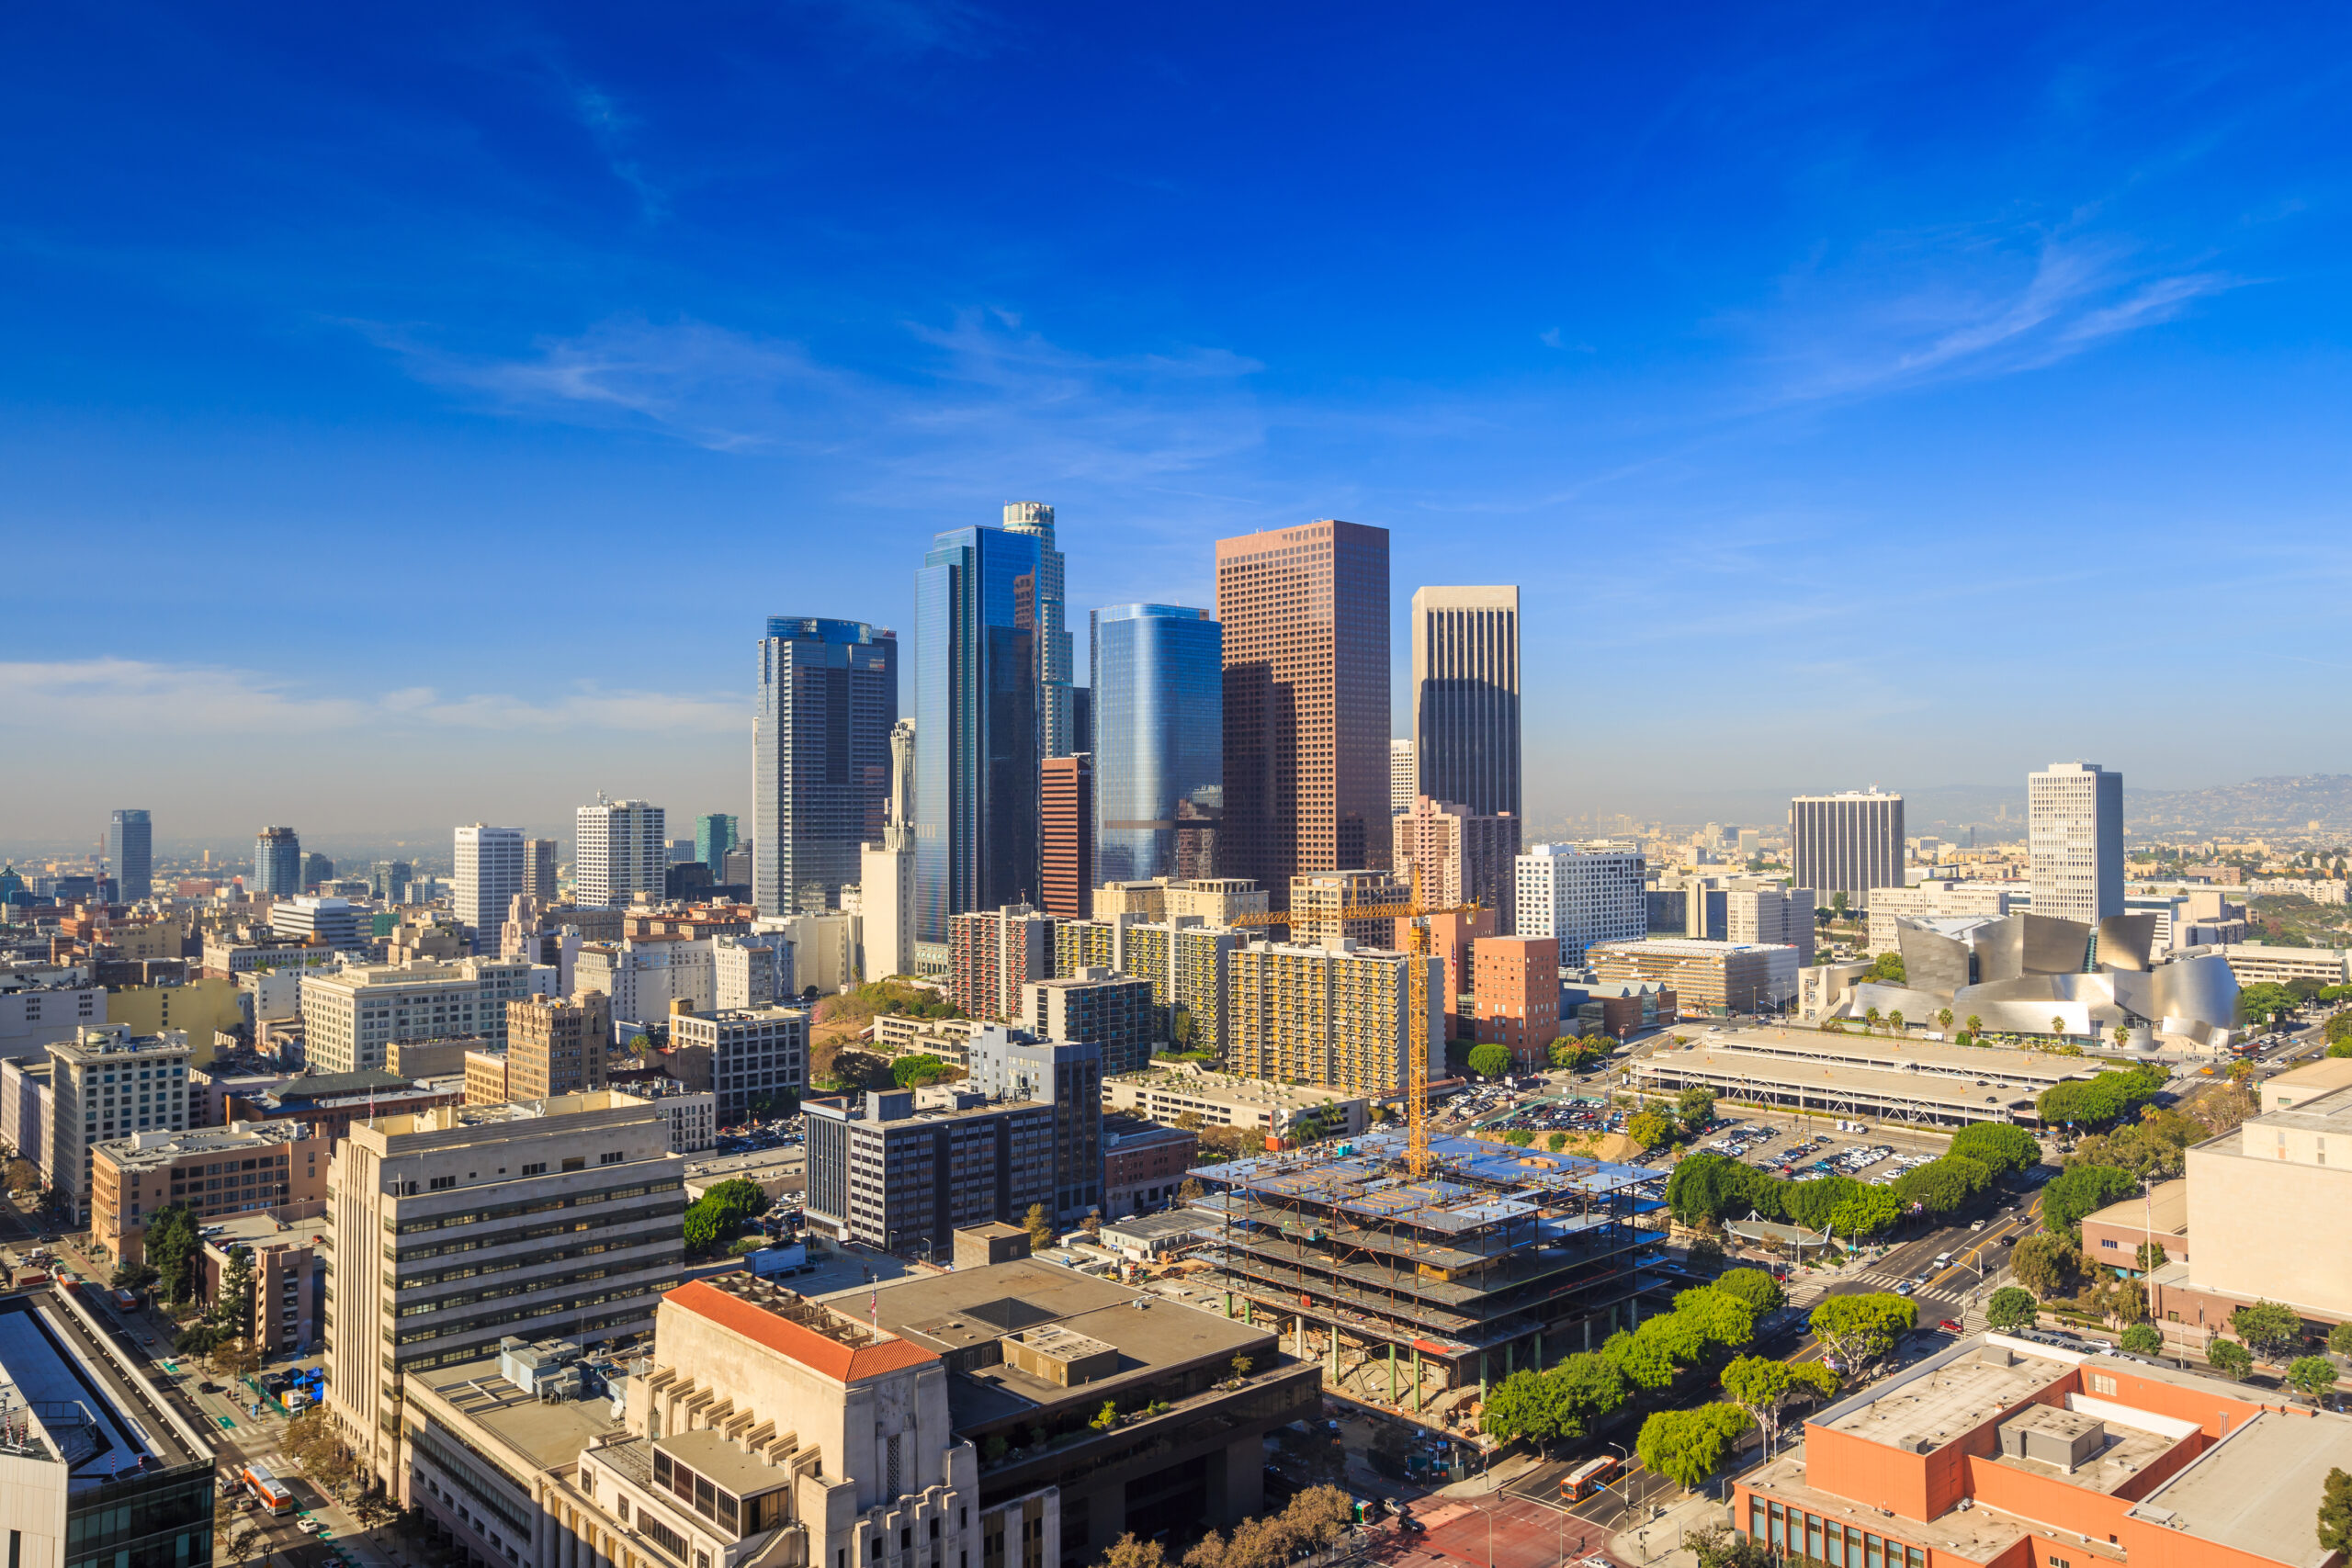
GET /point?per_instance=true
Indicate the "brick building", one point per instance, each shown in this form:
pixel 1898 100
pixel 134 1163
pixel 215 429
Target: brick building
pixel 1517 998
pixel 1143 1165
pixel 1066 835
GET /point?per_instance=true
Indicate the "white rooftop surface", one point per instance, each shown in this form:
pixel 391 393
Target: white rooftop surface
pixel 2256 1489
pixel 1937 1057
pixel 1872 1084
pixel 1942 1405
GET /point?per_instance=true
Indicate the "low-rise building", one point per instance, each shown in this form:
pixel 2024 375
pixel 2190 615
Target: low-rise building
pixel 782 1174
pixel 485 1075
pixel 1937 899
pixel 2113 1236
pixel 897 1034
pixel 327 1104
pixel 437 1058
pixel 1225 1100
pixel 352 1016
pixel 288 1248
pixel 693 1114
pixel 1143 1164
pixel 1719 978
pixel 218 1171
pixel 758 1057
pixel 24 1112
pixel 2256 962
pixel 1148 1236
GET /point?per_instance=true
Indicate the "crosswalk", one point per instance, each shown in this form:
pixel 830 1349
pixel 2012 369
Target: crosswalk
pixel 1879 1279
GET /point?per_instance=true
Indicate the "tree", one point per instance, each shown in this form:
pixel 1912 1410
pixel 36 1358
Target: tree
pixel 916 1069
pixel 233 1305
pixel 1649 1130
pixel 1191 1189
pixel 1894 1022
pixel 1525 1404
pixel 1685 1445
pixel 1760 1292
pixel 2012 1308
pixel 1761 1385
pixel 24 1177
pixel 1975 1026
pixel 1871 1017
pixel 2335 1512
pixel 2149 1256
pixel 1721 1320
pixel 2122 1035
pixel 1490 1061
pixel 1887 969
pixel 2267 1328
pixel 1645 1362
pixel 1705 1255
pixel 1718 1545
pixel 2057 1024
pixel 1695 1107
pixel 2046 1265
pixel 2144 1340
pixel 237 1535
pixel 1944 1186
pixel 2230 1359
pixel 2080 1192
pixel 173 1246
pixel 2001 1147
pixel 133 1276
pixel 2263 1002
pixel 2312 1375
pixel 1039 1225
pixel 1867 1212
pixel 1943 1019
pixel 2339 1339
pixel 1858 1331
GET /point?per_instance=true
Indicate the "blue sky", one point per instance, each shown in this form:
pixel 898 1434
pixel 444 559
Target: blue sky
pixel 409 415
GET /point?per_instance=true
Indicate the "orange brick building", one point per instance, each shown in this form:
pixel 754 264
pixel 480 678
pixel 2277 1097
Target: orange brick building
pixel 1516 998
pixel 2012 1454
pixel 1065 836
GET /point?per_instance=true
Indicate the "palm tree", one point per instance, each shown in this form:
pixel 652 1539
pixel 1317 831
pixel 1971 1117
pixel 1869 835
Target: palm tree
pixel 1976 1026
pixel 1943 1019
pixel 1894 1022
pixel 2058 1026
pixel 2122 1035
pixel 1871 1015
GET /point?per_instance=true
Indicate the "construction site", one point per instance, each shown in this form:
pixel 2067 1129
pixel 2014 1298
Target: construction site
pixel 1416 1292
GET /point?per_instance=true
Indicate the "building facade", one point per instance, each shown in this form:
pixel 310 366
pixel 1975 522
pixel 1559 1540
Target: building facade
pixel 993 955
pixel 1449 855
pixel 130 838
pixel 1466 697
pixel 1159 740
pixel 1518 993
pixel 277 861
pixel 351 1016
pixel 1580 897
pixel 1716 978
pixel 1404 778
pixel 252 1168
pixel 1056 704
pixel 1114 1012
pixel 556 1047
pixel 618 851
pixel 487 877
pixel 1337 1017
pixel 1066 835
pixel 1068 1076
pixel 540 870
pixel 1848 842
pixel 899 1167
pixel 758 1056
pixel 2074 838
pixel 104 1084
pixel 1304 612
pixel 1327 908
pixel 1770 914
pixel 714 835
pixel 828 698
pixel 1144 1163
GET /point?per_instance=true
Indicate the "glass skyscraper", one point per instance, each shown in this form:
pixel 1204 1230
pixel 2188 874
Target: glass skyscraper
pixel 829 695
pixel 1159 698
pixel 978 728
pixel 714 835
pixel 277 861
pixel 133 843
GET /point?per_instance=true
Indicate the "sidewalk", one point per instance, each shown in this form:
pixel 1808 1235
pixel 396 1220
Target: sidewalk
pixel 1659 1542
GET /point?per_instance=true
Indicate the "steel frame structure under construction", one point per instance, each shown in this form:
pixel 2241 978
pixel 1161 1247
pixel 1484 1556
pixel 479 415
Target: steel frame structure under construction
pixel 1497 1258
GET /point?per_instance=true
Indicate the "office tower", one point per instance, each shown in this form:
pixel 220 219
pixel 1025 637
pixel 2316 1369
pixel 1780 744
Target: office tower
pixel 1111 1011
pixel 1848 842
pixel 1081 718
pixel 714 835
pixel 497 1176
pixel 1465 696
pixel 351 1016
pixel 829 695
pixel 539 870
pixel 316 868
pixel 277 861
pixel 1324 906
pixel 333 921
pixel 1306 619
pixel 2075 837
pixel 1772 914
pixel 104 1084
pixel 886 871
pixel 926 1164
pixel 1450 855
pixel 993 953
pixel 749 971
pixel 737 870
pixel 1065 1075
pixel 1580 897
pixel 131 841
pixel 755 1058
pixel 489 875
pixel 1056 703
pixel 1341 1018
pixel 1159 731
pixel 617 852
pixel 388 879
pixel 644 979
pixel 1404 778
pixel 556 1046
pixel 977 712
pixel 1065 835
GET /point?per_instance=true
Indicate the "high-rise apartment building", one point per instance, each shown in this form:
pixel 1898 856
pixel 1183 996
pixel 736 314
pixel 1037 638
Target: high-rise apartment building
pixel 489 875
pixel 1158 674
pixel 1306 619
pixel 1183 956
pixel 277 861
pixel 714 835
pixel 2074 839
pixel 557 1046
pixel 1056 706
pixel 539 870
pixel 1095 1006
pixel 1450 855
pixel 1404 777
pixel 829 695
pixel 1340 1016
pixel 351 1016
pixel 1066 835
pixel 1848 842
pixel 456 1227
pixel 617 852
pixel 1517 993
pixel 1324 906
pixel 104 1084
pixel 131 840
pixel 904 1167
pixel 979 714
pixel 1579 896
pixel 993 953
pixel 1465 696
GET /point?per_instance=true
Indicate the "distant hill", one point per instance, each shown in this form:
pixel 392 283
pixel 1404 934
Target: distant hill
pixel 2311 805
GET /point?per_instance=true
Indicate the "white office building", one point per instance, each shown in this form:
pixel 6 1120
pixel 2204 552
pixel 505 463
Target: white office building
pixel 351 1016
pixel 1770 915
pixel 618 851
pixel 644 978
pixel 748 971
pixel 1581 896
pixel 1849 843
pixel 489 876
pixel 2074 841
pixel 1404 778
pixel 304 918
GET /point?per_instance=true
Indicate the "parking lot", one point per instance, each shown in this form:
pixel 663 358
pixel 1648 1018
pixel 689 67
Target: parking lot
pixel 1577 1113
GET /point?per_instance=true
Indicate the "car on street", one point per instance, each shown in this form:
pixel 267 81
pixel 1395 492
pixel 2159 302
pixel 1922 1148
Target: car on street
pixel 1410 1524
pixel 308 1526
pixel 1949 1325
pixel 1906 1288
pixel 208 1388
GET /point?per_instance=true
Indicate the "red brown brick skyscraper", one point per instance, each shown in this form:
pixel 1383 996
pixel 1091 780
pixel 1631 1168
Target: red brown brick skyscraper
pixel 1306 619
pixel 1064 842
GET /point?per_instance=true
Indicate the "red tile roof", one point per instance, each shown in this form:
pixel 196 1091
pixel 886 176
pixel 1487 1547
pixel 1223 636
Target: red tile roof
pixel 841 1362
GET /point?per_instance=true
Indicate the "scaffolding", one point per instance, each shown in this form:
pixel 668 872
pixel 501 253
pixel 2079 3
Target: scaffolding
pixel 1495 1259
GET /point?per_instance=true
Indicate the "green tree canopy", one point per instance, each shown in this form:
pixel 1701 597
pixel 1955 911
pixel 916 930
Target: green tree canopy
pixel 2144 1340
pixel 2313 1375
pixel 2339 1339
pixel 2011 1309
pixel 1490 1061
pixel 2267 1328
pixel 1644 1362
pixel 2230 1359
pixel 2000 1146
pixel 1723 1321
pixel 1944 1186
pixel 1685 1445
pixel 1760 1292
pixel 2100 1101
pixel 173 1245
pixel 1867 1212
pixel 2335 1512
pixel 2263 1002
pixel 1695 1107
pixel 2046 1265
pixel 1811 1203
pixel 1858 1332
pixel 1649 1129
pixel 1040 1227
pixel 1762 1386
pixel 917 1068
pixel 2080 1192
pixel 1886 968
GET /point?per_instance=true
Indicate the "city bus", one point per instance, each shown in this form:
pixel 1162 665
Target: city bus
pixel 267 1490
pixel 1587 1478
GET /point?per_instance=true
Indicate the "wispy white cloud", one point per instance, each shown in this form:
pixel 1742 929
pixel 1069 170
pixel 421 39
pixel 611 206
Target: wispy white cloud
pixel 117 696
pixel 612 131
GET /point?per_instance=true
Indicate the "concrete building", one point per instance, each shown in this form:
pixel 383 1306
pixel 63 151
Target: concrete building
pixel 1324 906
pixel 436 1058
pixel 1188 962
pixel 1404 778
pixel 1518 995
pixel 994 953
pixel 278 862
pixel 539 870
pixel 758 1056
pixel 1716 978
pixel 1227 1099
pixel 318 922
pixel 886 871
pixel 1305 617
pixel 2256 962
pixel 618 851
pixel 39 1004
pixel 906 1167
pixel 108 1083
pixel 1114 1012
pixel 1337 1018
pixel 646 979
pixel 488 878
pixel 1068 1076
pixel 817 947
pixel 828 698
pixel 1770 915
pixel 1213 901
pixel 692 1114
pixel 24 1108
pixel 1143 1164
pixel 1936 899
pixel 325 1105
pixel 131 840
pixel 1158 743
pixel 1580 896
pixel 556 1046
pixel 563 1212
pixel 1864 1077
pixel 250 1168
pixel 1449 855
pixel 2317 889
pixel 351 1016
pixel 748 972
pixel 287 1252
pixel 1849 843
pixel 1466 698
pixel 487 1074
pixel 1066 835
pixel 2074 835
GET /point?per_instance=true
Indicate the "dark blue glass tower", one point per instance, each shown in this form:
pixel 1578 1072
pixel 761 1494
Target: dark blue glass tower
pixel 829 695
pixel 1159 700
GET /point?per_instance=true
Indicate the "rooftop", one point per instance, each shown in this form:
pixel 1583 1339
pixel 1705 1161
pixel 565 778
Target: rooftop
pixel 1191 1079
pixel 792 1326
pixel 1998 1063
pixel 2164 1211
pixel 1680 947
pixel 551 1433
pixel 103 1042
pixel 96 1421
pixel 1919 1415
pixel 1151 1227
pixel 269 1229
pixel 1862 1082
pixel 2256 1490
pixel 145 1151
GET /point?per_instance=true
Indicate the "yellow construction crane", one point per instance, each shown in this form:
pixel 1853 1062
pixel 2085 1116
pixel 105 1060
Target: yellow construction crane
pixel 1417 1067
